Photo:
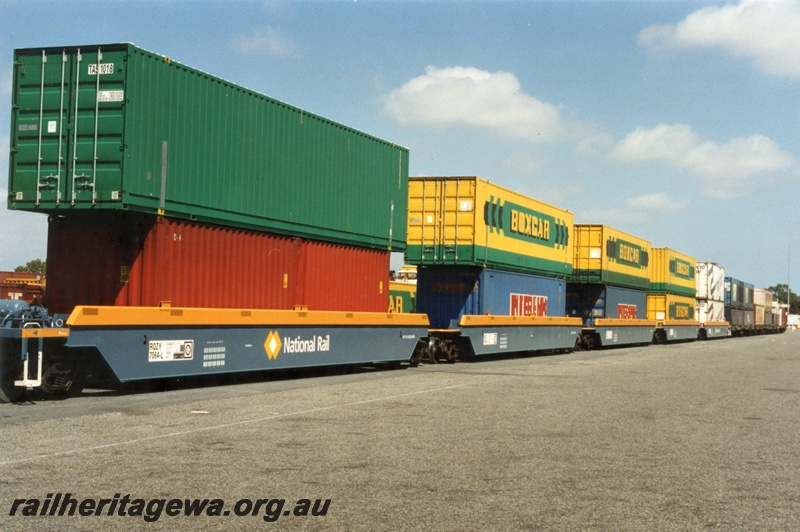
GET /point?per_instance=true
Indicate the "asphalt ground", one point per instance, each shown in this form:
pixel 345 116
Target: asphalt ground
pixel 675 437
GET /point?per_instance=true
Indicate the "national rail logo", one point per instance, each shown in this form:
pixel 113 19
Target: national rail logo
pixel 273 345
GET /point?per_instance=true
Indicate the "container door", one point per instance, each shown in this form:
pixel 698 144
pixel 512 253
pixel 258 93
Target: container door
pixel 448 220
pixel 67 126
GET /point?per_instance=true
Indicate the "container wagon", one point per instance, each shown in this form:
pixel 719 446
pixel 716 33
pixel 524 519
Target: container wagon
pixel 193 223
pixel 739 307
pixel 492 266
pixel 610 277
pixel 671 298
pixel 711 301
pixel 768 318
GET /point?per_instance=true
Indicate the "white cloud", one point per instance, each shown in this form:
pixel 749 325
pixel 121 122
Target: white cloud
pixel 612 216
pixel 522 163
pixel 670 142
pixel 559 194
pixel 656 202
pixel 768 33
pixel 725 167
pixel 636 210
pixel 595 144
pixel 267 41
pixel 467 96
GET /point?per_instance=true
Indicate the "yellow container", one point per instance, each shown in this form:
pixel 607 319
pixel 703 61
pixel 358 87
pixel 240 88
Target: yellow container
pixel 402 296
pixel 672 272
pixel 604 255
pixel 671 307
pixel 469 221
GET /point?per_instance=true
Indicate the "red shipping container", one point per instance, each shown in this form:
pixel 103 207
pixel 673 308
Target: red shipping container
pixel 135 260
pixel 26 276
pixel 22 286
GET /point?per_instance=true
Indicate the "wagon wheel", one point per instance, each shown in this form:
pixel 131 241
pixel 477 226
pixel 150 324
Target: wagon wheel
pixel 63 380
pixel 430 352
pixel 450 352
pixel 419 351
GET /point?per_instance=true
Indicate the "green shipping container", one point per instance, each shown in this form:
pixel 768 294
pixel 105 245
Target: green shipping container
pixel 117 127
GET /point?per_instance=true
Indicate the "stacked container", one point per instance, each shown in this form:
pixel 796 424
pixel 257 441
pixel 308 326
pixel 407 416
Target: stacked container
pixel 481 248
pixel 22 286
pixel 671 299
pixel 739 305
pixel 762 299
pixel 711 299
pixel 609 282
pixel 146 261
pixel 165 183
pixel 402 297
pixel 778 316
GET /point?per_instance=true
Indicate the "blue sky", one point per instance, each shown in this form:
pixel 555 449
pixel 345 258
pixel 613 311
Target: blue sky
pixel 678 122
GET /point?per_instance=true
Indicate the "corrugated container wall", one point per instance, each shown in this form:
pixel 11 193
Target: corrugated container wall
pixel 763 297
pixel 467 221
pixel 12 277
pixel 740 318
pixel 671 307
pixel 710 281
pixel 710 311
pixel 606 255
pixel 759 313
pixel 672 272
pixel 445 293
pixel 734 293
pixel 120 128
pixel 738 294
pixel 593 301
pixel 32 293
pixel 109 258
pixel 748 295
pixel 779 317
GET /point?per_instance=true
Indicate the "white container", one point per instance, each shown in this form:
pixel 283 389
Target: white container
pixel 710 281
pixel 709 311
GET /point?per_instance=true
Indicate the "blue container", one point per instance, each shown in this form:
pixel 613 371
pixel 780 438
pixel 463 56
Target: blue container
pixel 592 301
pixel 445 293
pixel 738 294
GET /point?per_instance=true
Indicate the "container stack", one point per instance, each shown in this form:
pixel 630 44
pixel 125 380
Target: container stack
pixel 610 279
pixel 181 187
pixel 711 299
pixel 403 290
pixel 762 299
pixel 483 249
pixel 672 297
pixel 22 286
pixel 777 315
pixel 739 305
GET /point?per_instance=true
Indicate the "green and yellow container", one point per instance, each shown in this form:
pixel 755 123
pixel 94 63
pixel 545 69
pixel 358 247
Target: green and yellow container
pixel 604 255
pixel 115 127
pixel 402 297
pixel 671 307
pixel 468 221
pixel 672 272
